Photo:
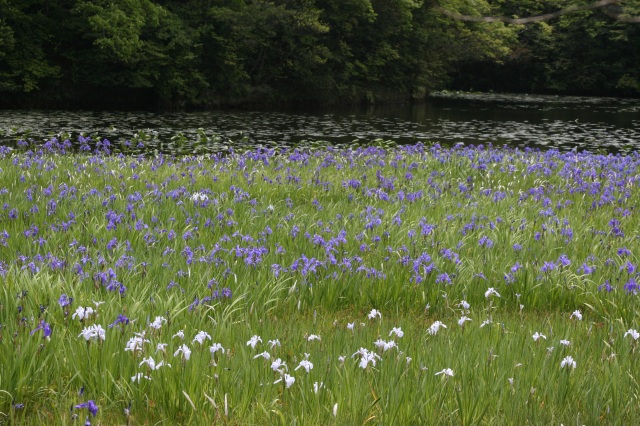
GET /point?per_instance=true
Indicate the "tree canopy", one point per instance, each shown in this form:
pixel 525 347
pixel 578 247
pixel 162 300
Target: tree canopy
pixel 174 54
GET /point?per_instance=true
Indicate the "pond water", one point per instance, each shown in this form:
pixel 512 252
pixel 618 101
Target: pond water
pixel 565 123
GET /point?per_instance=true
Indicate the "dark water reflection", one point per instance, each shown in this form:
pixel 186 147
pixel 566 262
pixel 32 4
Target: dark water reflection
pixel 608 124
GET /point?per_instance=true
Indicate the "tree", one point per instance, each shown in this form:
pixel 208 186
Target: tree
pixel 140 45
pixel 613 8
pixel 23 60
pixel 264 49
pixel 579 52
pixel 175 54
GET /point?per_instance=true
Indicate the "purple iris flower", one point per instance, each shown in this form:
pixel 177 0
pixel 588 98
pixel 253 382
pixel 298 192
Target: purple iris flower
pixel 211 283
pixel 484 241
pixel 587 270
pixel 548 266
pixel 45 327
pixel 120 320
pixel 564 260
pixel 630 267
pixel 90 405
pixel 623 251
pixel 443 278
pixel 65 300
pixel 606 286
pixel 631 286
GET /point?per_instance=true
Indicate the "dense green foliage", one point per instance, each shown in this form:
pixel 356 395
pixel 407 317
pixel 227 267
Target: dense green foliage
pixel 410 285
pixel 203 53
pixel 580 53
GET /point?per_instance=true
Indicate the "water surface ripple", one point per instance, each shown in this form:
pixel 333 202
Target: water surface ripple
pixel 604 124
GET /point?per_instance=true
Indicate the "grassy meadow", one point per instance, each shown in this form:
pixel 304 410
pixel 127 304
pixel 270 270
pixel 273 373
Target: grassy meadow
pixel 400 285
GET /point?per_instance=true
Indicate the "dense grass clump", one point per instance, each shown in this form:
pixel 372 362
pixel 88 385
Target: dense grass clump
pixel 408 285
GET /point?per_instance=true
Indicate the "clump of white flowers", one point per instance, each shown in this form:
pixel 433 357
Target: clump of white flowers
pixel 374 314
pixel 537 336
pixel 93 332
pixel 568 362
pixel 253 341
pixel 491 292
pixel 447 372
pixel 435 327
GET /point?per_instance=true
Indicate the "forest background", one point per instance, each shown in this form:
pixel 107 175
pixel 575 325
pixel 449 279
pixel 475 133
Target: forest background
pixel 200 54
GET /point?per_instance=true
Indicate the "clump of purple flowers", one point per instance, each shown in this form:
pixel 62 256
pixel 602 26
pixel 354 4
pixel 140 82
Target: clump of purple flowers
pixel 45 327
pixel 90 405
